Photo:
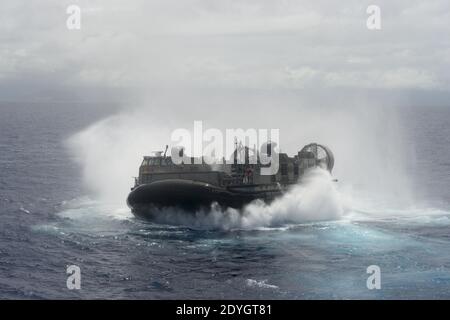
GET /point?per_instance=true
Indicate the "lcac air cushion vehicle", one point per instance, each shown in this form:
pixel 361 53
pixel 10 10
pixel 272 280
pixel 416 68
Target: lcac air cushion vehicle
pixel 193 184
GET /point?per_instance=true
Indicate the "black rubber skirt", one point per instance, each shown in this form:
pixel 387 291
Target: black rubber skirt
pixel 188 195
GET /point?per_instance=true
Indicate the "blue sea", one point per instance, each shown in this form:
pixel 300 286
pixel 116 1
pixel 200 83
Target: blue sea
pixel 48 221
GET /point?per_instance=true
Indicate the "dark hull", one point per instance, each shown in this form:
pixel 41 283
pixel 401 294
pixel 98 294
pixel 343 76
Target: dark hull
pixel 190 196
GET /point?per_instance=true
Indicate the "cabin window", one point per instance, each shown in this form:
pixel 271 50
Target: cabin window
pixel 295 170
pixel 155 162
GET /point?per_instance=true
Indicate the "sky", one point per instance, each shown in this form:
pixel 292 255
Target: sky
pixel 140 45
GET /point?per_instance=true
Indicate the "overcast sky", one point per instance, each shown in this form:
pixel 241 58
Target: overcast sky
pixel 310 68
pixel 232 44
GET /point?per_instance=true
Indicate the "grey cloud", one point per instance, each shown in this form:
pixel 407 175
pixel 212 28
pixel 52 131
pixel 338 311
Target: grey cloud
pixel 233 44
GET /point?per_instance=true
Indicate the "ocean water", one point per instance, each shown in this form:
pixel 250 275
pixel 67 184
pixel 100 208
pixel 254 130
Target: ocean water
pixel 49 221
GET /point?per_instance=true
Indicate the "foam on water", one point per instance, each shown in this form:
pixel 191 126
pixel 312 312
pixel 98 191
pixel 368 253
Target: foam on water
pixel 316 198
pixel 260 284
